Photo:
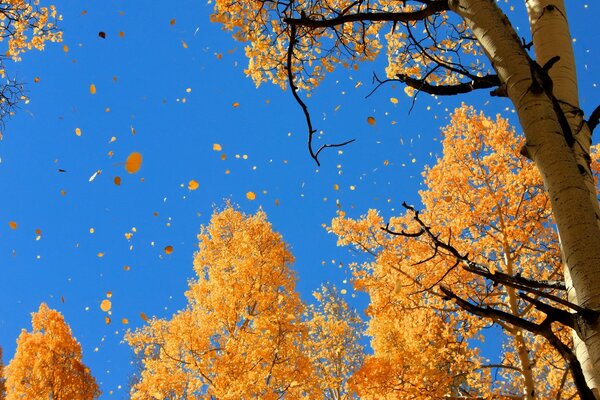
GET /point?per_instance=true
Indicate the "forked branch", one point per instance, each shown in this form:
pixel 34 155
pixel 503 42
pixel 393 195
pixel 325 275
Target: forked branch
pixel 294 88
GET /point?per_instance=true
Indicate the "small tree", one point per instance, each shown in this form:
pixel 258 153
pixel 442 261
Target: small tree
pixel 333 344
pixel 47 363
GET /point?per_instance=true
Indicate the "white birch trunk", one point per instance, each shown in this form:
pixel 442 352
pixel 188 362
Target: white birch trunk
pixel 574 209
pixel 550 34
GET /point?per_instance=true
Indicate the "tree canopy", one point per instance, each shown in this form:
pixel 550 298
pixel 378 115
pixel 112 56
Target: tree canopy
pixel 25 25
pixel 48 362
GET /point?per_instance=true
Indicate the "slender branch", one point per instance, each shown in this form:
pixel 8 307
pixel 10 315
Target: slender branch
pixel 311 131
pixel 594 119
pixel 485 82
pixel 501 277
pixel 431 9
pixel 556 314
pixel 543 329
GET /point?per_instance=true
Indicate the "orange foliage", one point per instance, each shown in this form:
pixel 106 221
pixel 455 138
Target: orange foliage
pixel 241 334
pixel 488 201
pixel 334 332
pixel 26 26
pixel 265 26
pixel 47 363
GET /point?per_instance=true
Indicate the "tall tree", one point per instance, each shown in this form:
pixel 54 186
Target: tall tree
pixel 47 363
pixel 438 47
pixel 482 199
pixel 333 343
pixel 24 25
pixel 241 335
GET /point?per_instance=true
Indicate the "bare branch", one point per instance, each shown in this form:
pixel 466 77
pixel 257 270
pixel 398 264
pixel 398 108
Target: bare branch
pixel 543 329
pixel 594 119
pixel 501 277
pixel 294 88
pixel 485 82
pixel 432 8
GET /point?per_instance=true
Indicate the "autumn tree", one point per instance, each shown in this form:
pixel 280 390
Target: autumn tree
pixel 333 344
pixel 485 237
pixel 449 47
pixel 242 332
pixel 48 362
pixel 24 25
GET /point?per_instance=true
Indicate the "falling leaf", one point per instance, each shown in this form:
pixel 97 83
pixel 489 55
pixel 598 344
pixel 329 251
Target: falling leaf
pixel 100 255
pixel 95 175
pixel 217 147
pixel 251 196
pixel 65 48
pixel 124 321
pixel 143 316
pixel 36 79
pixel 133 162
pixel 336 187
pixel 13 225
pixel 105 305
pixel 172 22
pixel 393 100
pixel 371 120
pixel 92 89
pixel 107 320
pixel 235 104
pixel 108 295
pixel 184 44
pixel 117 180
pixel 78 131
pixel 343 291
pixel 121 34
pixel 102 34
pixel 112 139
pixel 168 249
pixel 193 185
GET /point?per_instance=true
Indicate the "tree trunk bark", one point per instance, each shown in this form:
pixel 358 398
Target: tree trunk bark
pixel 574 208
pixel 550 35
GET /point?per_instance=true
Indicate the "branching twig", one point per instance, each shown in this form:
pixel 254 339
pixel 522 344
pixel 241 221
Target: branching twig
pixel 294 88
pixel 543 329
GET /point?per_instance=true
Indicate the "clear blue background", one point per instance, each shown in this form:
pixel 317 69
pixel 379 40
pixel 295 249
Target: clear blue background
pixel 153 71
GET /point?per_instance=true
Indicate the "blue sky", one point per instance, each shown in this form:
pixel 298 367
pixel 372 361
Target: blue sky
pixel 143 78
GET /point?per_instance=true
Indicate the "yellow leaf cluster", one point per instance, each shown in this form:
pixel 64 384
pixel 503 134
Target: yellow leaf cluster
pixel 488 201
pixel 24 25
pixel 265 27
pixel 240 335
pixel 47 363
